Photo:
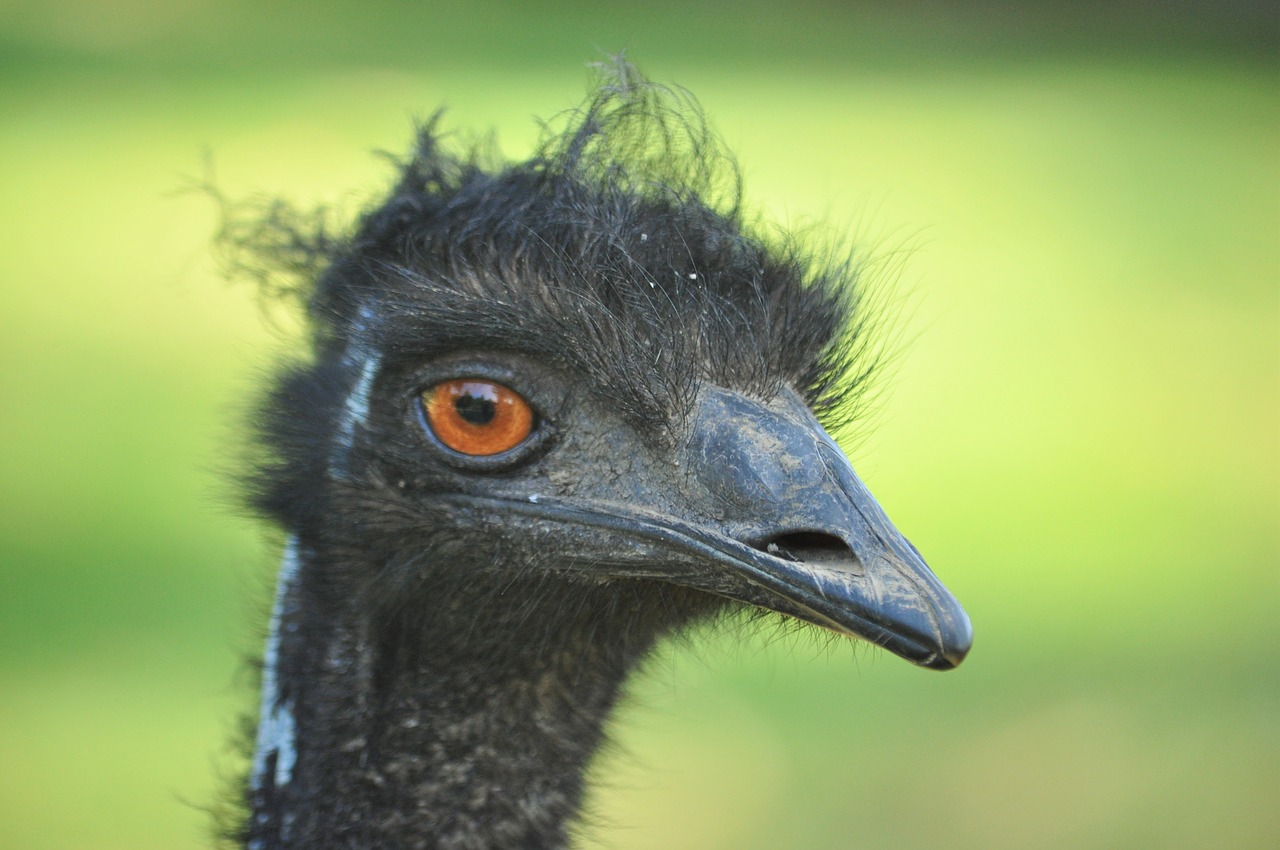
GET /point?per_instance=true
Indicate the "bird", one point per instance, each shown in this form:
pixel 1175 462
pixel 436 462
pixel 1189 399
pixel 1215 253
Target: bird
pixel 551 412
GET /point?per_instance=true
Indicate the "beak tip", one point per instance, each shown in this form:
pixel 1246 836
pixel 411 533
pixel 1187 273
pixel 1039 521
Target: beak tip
pixel 955 645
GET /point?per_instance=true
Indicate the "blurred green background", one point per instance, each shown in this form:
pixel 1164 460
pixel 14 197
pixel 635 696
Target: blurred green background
pixel 1082 434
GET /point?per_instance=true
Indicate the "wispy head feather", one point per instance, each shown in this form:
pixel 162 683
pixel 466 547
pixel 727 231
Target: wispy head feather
pixel 619 249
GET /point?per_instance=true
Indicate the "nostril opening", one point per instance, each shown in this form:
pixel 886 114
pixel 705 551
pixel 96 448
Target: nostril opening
pixel 809 546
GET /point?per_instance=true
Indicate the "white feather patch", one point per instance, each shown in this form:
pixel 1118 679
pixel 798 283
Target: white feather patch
pixel 355 410
pixel 276 728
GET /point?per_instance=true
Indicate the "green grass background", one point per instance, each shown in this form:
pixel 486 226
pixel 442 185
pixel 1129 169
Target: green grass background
pixel 1082 434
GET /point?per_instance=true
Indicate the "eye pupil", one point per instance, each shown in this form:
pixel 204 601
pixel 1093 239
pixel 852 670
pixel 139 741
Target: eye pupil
pixel 474 409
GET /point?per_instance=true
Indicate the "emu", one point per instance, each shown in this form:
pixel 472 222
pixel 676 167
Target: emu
pixel 553 411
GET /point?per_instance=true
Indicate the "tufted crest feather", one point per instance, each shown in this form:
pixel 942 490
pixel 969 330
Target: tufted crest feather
pixel 620 245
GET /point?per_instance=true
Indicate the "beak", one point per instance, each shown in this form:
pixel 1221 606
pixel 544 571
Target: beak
pixel 813 543
pixel 762 508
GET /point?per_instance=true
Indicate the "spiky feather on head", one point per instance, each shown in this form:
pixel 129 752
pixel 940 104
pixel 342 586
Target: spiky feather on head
pixel 619 248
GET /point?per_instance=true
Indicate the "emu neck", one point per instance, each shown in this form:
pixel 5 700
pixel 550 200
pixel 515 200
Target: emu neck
pixel 430 728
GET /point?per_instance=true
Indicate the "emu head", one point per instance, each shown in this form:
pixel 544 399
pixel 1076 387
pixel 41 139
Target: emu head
pixel 584 386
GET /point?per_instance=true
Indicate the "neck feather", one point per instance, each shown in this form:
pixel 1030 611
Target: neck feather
pixel 460 719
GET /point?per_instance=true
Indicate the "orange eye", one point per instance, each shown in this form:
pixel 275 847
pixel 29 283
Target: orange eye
pixel 478 418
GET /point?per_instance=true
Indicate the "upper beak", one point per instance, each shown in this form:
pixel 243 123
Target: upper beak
pixel 814 543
